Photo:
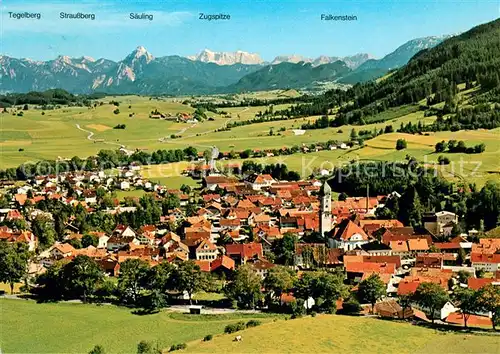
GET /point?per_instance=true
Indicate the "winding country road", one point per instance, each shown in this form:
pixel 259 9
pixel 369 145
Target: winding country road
pixel 91 134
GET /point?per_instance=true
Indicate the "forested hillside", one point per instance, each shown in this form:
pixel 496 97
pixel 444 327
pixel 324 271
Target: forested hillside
pixel 472 58
pixel 285 75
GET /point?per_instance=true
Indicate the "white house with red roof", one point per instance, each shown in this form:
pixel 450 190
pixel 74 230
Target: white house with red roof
pixel 257 181
pixel 206 251
pixel 485 262
pixel 348 236
pixel 124 231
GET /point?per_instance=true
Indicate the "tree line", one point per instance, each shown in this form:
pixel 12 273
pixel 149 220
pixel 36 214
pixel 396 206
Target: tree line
pixel 422 190
pixel 107 159
pixel 49 97
pixel 452 146
pixel 139 284
pixel 482 116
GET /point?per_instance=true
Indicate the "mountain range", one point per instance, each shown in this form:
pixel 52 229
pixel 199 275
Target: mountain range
pixel 227 58
pixel 208 72
pixel 241 57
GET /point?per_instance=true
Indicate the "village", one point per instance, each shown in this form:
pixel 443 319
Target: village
pixel 260 223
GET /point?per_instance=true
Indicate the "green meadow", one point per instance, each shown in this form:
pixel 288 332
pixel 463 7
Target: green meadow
pixel 345 334
pixel 56 134
pixel 28 327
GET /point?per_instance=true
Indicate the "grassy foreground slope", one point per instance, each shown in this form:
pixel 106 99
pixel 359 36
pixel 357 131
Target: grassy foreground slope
pixel 343 334
pixel 28 327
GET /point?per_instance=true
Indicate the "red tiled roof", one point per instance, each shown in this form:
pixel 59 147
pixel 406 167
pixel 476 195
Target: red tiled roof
pixel 246 251
pixel 380 223
pixel 396 260
pixel 269 231
pixel 478 283
pixel 14 214
pixel 473 320
pixel 358 203
pixel 210 197
pixel 405 288
pixel 385 277
pixel 485 258
pixel 347 229
pixel 362 267
pixel 447 245
pixel 287 298
pixel 64 248
pixel 223 261
pixel 486 245
pixel 204 265
pixel 245 204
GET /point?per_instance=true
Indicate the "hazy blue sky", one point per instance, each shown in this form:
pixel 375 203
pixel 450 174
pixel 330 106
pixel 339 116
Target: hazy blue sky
pixel 269 27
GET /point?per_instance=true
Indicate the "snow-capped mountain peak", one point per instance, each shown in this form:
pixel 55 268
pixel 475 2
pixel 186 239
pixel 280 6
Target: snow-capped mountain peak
pixel 227 58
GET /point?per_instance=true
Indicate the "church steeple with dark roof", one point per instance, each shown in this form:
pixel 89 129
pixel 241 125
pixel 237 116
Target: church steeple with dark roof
pixel 325 210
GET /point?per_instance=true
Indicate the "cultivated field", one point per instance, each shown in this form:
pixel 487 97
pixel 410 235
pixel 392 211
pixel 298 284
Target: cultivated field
pixel 256 136
pixel 476 168
pixel 344 334
pixel 67 132
pixel 28 327
pixel 70 131
pixel 79 131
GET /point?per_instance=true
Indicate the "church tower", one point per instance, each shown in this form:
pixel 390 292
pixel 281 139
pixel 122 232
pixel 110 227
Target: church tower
pixel 325 210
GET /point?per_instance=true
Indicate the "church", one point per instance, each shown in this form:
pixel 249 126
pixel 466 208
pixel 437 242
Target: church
pixel 325 209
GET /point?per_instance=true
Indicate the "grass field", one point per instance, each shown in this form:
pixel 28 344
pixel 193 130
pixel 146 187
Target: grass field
pixel 55 134
pixel 477 168
pixel 343 334
pixel 28 327
pixel 134 193
pixel 169 175
pixel 256 136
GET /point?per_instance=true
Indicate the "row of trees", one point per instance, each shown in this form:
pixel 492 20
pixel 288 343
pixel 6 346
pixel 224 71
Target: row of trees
pixel 325 287
pixel 481 116
pixel 49 97
pixel 453 146
pixel 139 285
pixel 106 159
